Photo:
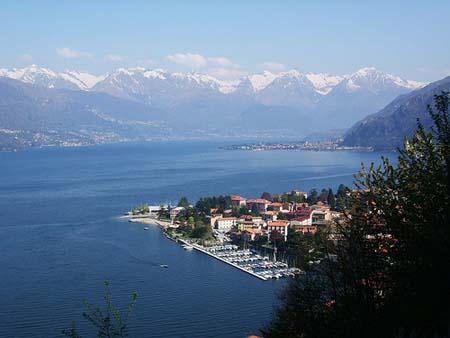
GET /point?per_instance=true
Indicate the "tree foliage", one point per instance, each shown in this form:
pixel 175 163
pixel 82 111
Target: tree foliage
pixel 109 322
pixel 391 273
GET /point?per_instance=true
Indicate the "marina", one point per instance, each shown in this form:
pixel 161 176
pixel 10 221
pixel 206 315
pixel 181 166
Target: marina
pixel 245 260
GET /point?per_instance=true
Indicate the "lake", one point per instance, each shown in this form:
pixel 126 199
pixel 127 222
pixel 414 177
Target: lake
pixel 60 235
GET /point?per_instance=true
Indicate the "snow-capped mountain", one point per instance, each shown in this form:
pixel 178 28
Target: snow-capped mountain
pixel 83 80
pixel 330 100
pixel 134 80
pixel 291 88
pixel 158 87
pixel 362 93
pixel 323 82
pixel 47 78
pixel 371 79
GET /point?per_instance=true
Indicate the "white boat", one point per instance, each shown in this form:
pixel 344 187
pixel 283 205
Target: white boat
pixel 146 228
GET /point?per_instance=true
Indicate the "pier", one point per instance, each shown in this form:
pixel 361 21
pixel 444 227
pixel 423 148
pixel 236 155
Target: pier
pixel 201 249
pixel 246 261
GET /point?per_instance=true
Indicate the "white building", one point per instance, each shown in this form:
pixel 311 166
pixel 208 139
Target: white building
pixel 225 224
pixel 278 226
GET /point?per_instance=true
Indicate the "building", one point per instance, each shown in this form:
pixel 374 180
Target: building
pixel 237 201
pixel 225 224
pixel 252 234
pixel 214 218
pixel 270 216
pixel 175 211
pixel 278 226
pixel 321 216
pixel 312 229
pixel 302 220
pixel 276 206
pixel 260 204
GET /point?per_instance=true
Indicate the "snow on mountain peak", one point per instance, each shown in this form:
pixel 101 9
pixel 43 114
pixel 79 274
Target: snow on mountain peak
pixel 262 80
pixel 323 82
pixel 45 77
pixel 368 78
pixel 155 74
pixel 374 79
pixel 83 80
pixel 28 74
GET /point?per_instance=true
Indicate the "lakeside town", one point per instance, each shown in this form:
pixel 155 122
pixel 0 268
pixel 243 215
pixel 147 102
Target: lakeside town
pixel 334 145
pixel 260 236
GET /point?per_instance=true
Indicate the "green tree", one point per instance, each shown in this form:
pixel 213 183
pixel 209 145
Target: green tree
pixel 313 196
pixel 191 221
pixel 331 200
pixel 183 202
pixel 109 322
pixel 390 276
pixel 266 195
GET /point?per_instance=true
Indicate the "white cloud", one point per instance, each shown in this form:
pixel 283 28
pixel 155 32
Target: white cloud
pixel 220 61
pixel 189 60
pixel 217 66
pixel 227 73
pixel 115 57
pixel 146 63
pixel 273 66
pixel 27 58
pixel 71 53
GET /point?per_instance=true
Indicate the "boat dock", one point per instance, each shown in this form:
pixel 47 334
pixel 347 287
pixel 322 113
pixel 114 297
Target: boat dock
pixel 201 249
pixel 246 261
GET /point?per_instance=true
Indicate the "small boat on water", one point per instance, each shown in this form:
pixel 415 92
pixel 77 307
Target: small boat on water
pixel 188 247
pixel 164 266
pixel 146 228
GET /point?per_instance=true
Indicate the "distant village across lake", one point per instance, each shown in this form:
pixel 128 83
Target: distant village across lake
pixel 303 145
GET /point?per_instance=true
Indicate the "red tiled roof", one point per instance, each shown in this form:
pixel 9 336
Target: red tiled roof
pixel 280 223
pixel 258 200
pixel 237 198
pixel 302 218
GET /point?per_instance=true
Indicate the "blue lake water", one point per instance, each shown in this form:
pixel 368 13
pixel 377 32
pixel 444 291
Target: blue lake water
pixel 60 236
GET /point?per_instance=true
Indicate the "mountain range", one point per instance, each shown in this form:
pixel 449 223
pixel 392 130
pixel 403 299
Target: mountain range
pixel 387 128
pixel 162 103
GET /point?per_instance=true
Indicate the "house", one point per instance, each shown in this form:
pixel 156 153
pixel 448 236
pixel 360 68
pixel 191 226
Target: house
pixel 275 206
pixel 304 220
pixel 287 207
pixel 306 229
pixel 278 226
pixel 299 213
pixel 248 221
pixel 300 193
pixel 270 216
pixel 227 212
pixel 237 201
pixel 300 206
pixel 225 223
pixel 175 211
pixel 260 204
pixel 214 218
pixel 244 224
pixel 321 216
pixel 252 234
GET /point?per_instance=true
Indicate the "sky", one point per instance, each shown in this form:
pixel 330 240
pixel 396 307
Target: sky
pixel 228 38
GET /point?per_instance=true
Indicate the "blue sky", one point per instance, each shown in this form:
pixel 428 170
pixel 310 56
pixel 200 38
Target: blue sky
pixel 229 38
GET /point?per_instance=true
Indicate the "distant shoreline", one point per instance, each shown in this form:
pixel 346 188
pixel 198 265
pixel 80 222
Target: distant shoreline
pixel 298 146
